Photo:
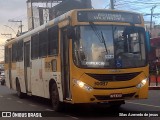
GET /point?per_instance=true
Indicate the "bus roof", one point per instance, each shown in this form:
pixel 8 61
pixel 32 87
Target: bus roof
pixel 56 20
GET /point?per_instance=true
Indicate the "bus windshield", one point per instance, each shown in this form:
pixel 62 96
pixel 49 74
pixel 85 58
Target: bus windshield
pixel 106 46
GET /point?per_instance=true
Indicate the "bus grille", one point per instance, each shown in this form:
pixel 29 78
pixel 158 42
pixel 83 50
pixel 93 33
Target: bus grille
pixel 114 77
pixel 107 97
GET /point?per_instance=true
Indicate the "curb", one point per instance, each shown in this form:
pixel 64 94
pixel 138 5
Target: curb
pixel 154 88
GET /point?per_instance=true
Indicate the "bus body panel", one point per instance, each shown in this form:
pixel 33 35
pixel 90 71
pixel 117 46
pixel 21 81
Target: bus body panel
pixel 104 89
pixel 96 96
pixel 20 76
pixel 36 78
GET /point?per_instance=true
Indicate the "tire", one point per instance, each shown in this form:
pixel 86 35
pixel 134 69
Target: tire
pixel 18 88
pixel 2 82
pixel 116 104
pixel 56 104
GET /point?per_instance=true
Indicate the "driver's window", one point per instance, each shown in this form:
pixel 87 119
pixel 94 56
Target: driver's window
pixel 119 40
pixel 135 47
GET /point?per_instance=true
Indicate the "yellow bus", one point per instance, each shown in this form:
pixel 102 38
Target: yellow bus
pixel 82 56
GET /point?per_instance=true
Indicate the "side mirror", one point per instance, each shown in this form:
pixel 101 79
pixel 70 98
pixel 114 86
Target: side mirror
pixel 148 41
pixel 70 32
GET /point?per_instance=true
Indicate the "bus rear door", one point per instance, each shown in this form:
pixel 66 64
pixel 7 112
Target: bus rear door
pixel 27 66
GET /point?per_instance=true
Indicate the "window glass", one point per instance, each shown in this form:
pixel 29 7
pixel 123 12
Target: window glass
pixel 106 46
pixel 14 52
pixel 35 46
pixel 43 41
pixel 6 54
pixel 20 50
pixel 53 40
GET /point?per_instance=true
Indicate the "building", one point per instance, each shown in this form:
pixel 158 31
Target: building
pixel 155 32
pixel 147 25
pixel 38 14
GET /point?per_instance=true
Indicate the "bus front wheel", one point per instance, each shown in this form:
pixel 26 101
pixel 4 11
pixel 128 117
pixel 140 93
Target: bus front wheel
pixel 56 104
pixel 116 104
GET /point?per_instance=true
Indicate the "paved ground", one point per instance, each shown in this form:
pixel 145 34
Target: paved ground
pixel 10 102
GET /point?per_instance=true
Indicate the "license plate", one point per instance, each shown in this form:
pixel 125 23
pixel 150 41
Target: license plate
pixel 116 95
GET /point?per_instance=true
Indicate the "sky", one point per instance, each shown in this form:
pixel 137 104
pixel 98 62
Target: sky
pixel 17 10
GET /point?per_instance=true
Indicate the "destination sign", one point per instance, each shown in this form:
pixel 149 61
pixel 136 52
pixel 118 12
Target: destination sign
pixel 108 16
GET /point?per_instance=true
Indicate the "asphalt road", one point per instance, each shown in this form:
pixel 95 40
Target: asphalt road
pixel 10 102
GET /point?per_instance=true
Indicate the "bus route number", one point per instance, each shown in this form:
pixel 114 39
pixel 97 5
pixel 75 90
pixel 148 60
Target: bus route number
pixel 100 83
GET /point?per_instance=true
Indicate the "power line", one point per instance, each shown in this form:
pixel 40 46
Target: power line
pixel 6 34
pixel 20 21
pixel 106 6
pixel 151 3
pixel 136 5
pixel 154 14
pixel 10 28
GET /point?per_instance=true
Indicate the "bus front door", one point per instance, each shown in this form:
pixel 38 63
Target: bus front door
pixel 65 69
pixel 27 72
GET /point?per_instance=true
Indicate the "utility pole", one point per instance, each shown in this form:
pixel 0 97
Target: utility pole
pixel 32 14
pixel 112 4
pixel 20 21
pixel 152 9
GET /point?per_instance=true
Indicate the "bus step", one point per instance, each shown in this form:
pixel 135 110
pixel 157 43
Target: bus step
pixel 29 93
pixel 68 99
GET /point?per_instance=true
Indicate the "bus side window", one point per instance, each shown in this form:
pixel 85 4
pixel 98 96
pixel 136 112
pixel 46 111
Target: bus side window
pixel 6 54
pixel 20 50
pixel 53 40
pixel 14 52
pixel 43 43
pixel 35 46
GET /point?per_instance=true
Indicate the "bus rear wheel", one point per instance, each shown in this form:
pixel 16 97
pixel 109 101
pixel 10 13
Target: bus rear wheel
pixel 2 82
pixel 56 104
pixel 18 88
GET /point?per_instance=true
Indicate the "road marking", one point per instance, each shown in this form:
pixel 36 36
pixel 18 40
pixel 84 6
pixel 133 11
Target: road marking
pixel 72 117
pixel 32 105
pixel 9 98
pixel 49 110
pixel 19 101
pixel 144 104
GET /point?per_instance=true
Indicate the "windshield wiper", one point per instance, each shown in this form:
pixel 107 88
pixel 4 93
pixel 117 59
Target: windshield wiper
pixel 99 35
pixel 104 42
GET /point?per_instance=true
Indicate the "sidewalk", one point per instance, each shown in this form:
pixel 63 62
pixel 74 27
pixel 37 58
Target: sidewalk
pixel 154 82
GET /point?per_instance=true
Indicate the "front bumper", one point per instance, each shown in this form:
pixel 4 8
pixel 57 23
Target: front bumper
pixel 104 95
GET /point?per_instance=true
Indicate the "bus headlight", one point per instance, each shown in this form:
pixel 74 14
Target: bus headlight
pixel 83 85
pixel 142 83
